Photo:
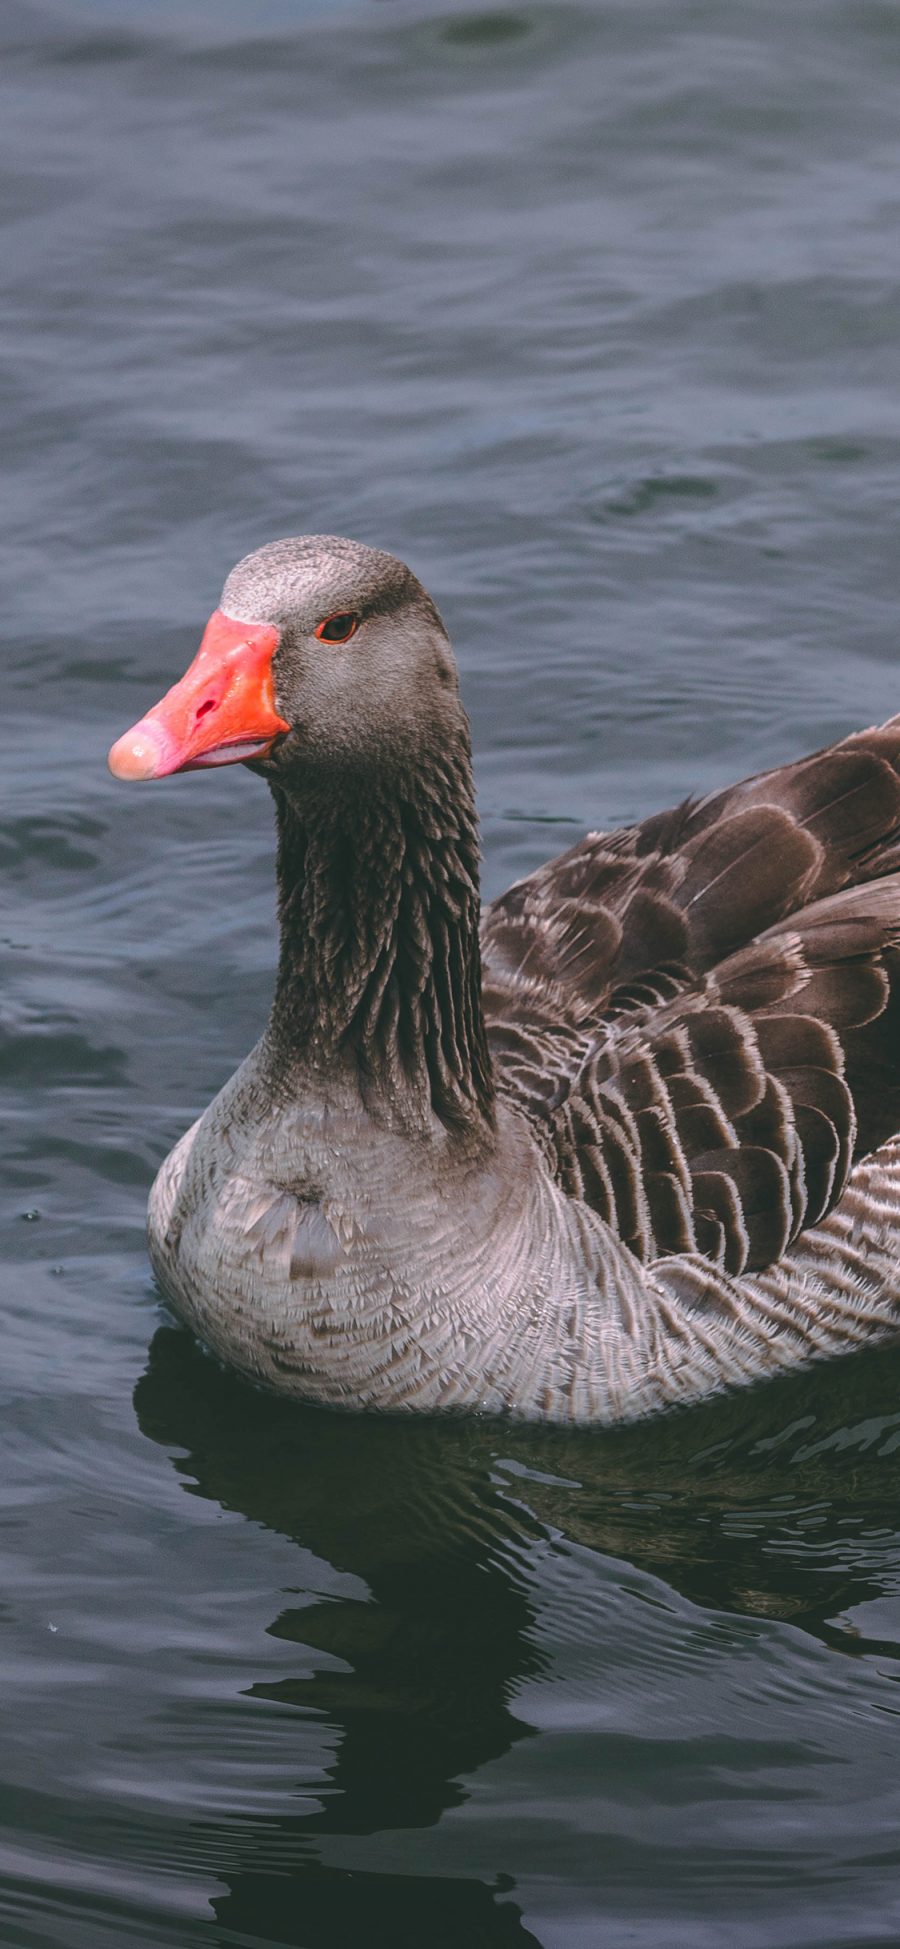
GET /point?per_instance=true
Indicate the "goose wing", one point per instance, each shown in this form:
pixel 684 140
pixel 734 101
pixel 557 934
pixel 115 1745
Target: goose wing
pixel 700 1015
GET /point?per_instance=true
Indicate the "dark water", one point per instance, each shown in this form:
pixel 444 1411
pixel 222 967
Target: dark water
pixel 592 312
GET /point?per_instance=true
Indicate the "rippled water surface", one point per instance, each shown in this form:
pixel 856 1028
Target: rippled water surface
pixel 590 311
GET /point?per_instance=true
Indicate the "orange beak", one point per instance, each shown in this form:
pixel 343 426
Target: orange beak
pixel 222 711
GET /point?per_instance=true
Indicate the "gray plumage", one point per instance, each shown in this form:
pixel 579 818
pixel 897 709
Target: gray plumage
pixel 627 1137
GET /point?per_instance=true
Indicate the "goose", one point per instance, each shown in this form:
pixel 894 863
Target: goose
pixel 625 1138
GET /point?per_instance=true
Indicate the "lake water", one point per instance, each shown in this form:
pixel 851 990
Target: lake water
pixel 591 312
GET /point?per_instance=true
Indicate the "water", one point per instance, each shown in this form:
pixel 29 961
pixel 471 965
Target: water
pixel 591 312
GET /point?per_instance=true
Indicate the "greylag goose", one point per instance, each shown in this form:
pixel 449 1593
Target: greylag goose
pixel 627 1137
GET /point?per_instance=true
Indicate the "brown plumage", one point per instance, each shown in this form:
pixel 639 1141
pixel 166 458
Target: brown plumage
pixel 697 1093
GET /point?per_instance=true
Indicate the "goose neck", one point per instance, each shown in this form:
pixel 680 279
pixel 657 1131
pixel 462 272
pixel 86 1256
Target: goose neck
pixel 379 964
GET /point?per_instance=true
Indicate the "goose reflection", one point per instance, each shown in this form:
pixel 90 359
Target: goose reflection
pixel 423 1656
pixel 781 1505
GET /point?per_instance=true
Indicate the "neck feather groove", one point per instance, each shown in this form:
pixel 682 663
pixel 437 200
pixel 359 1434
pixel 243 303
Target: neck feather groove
pixel 379 911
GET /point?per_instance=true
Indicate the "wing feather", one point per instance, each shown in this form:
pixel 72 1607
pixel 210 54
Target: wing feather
pixel 701 1015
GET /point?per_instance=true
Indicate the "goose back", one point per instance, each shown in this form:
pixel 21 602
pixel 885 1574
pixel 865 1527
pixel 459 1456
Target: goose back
pixel 699 1016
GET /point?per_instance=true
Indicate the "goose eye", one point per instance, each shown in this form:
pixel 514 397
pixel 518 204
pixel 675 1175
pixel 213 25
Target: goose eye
pixel 337 629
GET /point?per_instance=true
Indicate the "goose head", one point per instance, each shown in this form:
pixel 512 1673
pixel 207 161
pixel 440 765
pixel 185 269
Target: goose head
pixel 323 654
